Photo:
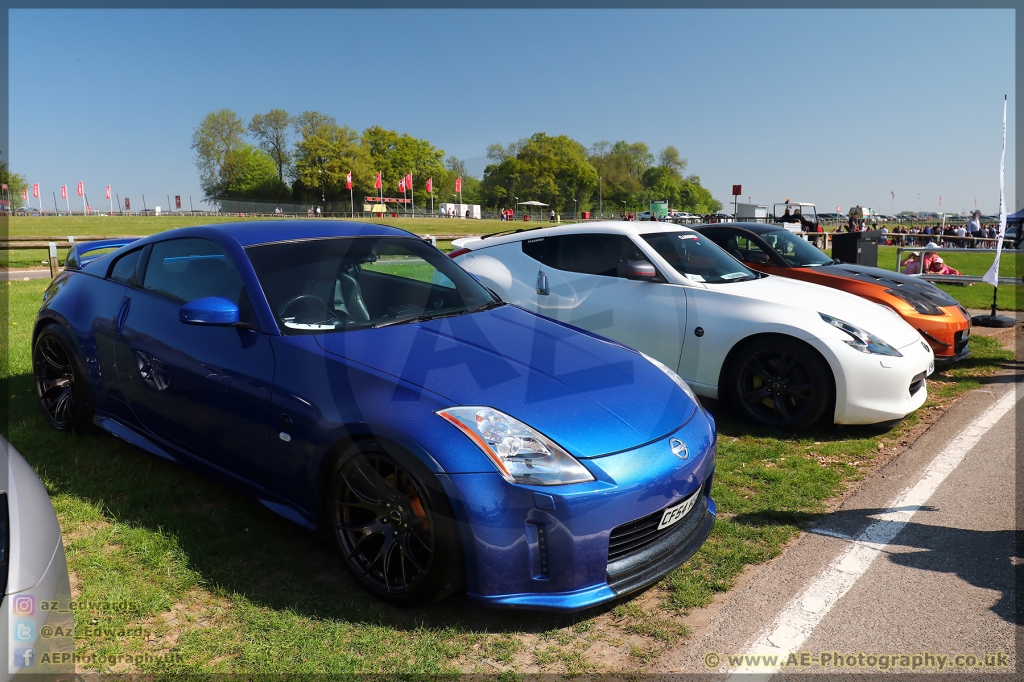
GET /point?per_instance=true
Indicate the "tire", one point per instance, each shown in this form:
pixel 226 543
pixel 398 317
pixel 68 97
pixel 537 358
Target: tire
pixel 394 525
pixel 62 389
pixel 779 383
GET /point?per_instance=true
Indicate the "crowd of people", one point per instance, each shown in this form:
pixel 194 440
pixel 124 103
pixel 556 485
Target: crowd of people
pixel 972 235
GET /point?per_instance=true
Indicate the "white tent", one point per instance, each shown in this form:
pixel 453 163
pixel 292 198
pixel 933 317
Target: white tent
pixel 531 204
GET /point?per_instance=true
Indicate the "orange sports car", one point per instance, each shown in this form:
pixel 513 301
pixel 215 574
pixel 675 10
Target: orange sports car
pixel 772 249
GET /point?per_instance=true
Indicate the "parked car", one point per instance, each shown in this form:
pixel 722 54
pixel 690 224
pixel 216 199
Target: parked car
pixel 943 322
pixel 34 580
pixel 359 383
pixel 783 352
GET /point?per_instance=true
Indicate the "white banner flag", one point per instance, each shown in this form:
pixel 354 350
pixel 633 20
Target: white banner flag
pixel 992 276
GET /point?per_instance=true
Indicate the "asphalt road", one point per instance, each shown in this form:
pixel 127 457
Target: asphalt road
pixel 18 275
pixel 919 564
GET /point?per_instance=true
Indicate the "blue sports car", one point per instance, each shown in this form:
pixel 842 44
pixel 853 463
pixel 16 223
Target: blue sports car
pixel 358 382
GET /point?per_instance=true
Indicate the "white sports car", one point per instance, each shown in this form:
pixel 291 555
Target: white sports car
pixel 782 351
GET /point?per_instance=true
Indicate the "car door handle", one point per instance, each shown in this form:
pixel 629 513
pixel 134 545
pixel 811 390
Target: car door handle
pixel 542 284
pixel 122 315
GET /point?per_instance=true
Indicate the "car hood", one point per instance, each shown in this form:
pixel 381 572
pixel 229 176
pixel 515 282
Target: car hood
pixel 814 298
pixel 889 280
pixel 589 394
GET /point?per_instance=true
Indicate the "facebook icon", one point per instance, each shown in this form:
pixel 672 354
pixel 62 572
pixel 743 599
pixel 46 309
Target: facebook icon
pixel 24 657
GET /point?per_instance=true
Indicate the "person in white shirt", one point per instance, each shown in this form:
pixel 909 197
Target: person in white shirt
pixel 974 227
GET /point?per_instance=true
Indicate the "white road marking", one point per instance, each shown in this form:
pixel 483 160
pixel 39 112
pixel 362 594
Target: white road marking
pixel 797 621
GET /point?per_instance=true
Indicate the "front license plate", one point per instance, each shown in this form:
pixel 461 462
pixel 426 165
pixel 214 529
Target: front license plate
pixel 931 367
pixel 675 514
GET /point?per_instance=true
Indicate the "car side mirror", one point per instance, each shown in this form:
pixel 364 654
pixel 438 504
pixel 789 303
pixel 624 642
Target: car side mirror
pixel 760 258
pixel 640 271
pixel 212 311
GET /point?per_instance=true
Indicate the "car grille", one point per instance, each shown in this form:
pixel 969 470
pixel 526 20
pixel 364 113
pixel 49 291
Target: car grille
pixel 960 341
pixel 917 383
pixel 635 536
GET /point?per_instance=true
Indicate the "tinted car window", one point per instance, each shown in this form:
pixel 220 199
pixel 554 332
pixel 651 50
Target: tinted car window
pixel 696 257
pixel 591 254
pixel 189 269
pixel 327 285
pixel 124 267
pixel 797 251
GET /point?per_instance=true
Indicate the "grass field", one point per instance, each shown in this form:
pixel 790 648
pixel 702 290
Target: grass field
pixel 232 588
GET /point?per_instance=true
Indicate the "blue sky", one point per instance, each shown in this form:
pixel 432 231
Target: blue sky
pixel 836 107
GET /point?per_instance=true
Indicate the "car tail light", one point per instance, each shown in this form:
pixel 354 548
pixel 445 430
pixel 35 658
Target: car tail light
pixel 458 252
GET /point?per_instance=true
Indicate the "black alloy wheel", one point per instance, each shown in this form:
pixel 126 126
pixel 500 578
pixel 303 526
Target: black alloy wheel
pixel 61 389
pixel 395 531
pixel 780 384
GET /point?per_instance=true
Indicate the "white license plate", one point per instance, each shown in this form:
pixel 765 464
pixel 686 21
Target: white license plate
pixel 675 514
pixel 931 367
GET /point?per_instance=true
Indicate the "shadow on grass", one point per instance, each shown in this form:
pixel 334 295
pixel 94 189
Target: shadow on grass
pixel 234 544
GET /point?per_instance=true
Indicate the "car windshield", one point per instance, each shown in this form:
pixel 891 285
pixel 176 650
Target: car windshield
pixel 698 258
pixel 797 252
pixel 338 284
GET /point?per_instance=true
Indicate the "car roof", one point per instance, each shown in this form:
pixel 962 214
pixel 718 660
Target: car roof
pixel 756 228
pixel 250 233
pixel 629 227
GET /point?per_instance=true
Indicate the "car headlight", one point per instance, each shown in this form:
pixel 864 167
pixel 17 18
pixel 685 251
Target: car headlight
pixel 920 303
pixel 674 377
pixel 520 453
pixel 862 341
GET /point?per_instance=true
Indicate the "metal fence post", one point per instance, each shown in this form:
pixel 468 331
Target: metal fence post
pixel 54 268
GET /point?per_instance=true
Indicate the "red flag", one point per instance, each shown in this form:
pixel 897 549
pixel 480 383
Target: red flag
pixel 35 190
pixel 63 191
pixel 401 185
pixel 458 184
pixel 24 193
pixel 377 183
pixel 430 185
pixel 108 193
pixel 81 190
pixel 408 180
pixel 348 180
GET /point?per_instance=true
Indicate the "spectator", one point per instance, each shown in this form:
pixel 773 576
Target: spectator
pixel 938 267
pixel 973 228
pixel 961 233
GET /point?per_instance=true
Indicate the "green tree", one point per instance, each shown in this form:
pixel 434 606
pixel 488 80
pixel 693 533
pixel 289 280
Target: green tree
pixel 271 133
pixel 254 175
pixel 622 166
pixel 325 153
pixel 551 169
pixel 218 135
pixel 396 155
pixel 444 183
pixel 669 158
pixel 15 184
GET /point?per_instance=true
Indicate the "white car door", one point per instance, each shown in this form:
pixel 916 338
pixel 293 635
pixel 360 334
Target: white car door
pixel 580 280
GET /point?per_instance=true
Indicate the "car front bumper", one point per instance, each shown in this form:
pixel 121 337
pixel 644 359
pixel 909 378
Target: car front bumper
pixel 877 388
pixel 548 548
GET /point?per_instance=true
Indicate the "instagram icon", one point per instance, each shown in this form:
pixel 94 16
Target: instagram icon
pixel 24 605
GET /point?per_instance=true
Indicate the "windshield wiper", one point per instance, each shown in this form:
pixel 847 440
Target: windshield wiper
pixel 419 318
pixel 488 306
